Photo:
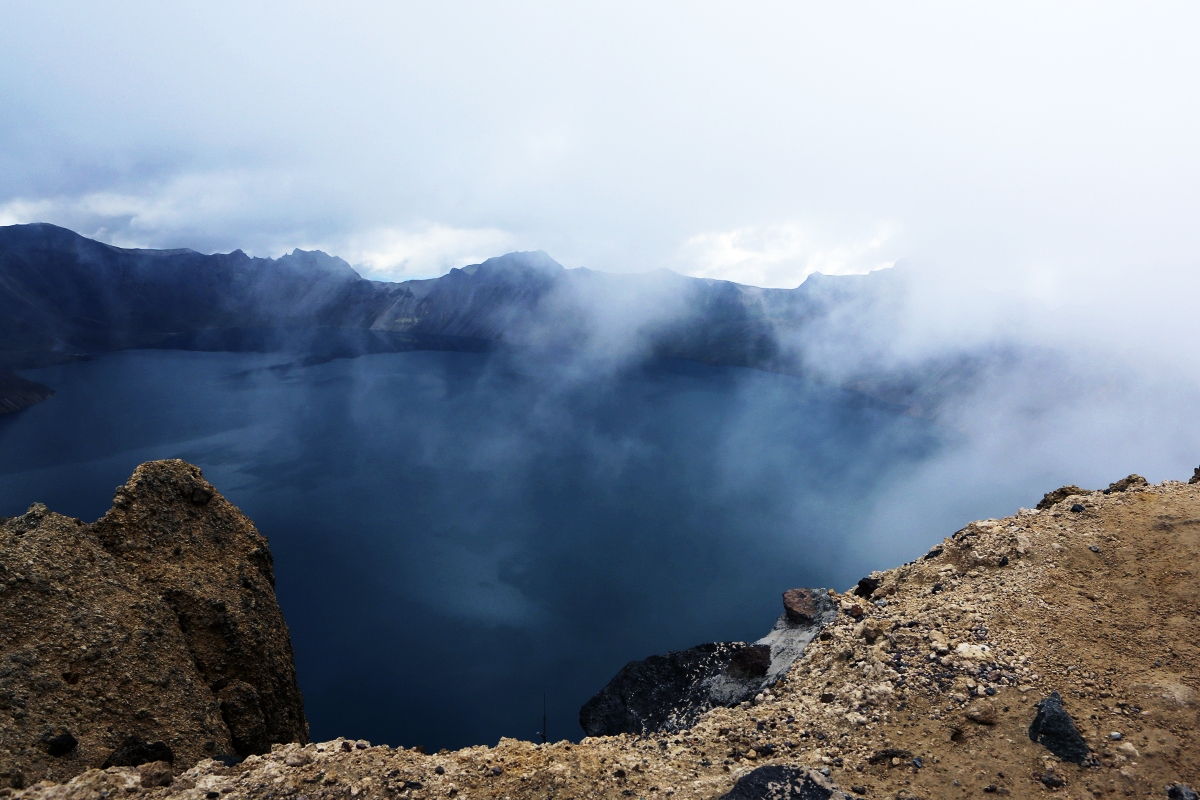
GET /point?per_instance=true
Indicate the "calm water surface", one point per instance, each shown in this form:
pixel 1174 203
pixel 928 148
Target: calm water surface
pixel 455 534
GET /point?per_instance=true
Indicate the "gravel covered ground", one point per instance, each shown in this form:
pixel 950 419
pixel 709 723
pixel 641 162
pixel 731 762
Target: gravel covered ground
pixel 924 688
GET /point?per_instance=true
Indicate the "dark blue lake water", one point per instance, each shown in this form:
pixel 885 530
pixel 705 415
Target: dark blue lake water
pixel 455 534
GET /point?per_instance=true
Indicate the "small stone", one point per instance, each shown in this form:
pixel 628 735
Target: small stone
pixel 1093 548
pixel 1077 508
pixel 362 744
pixel 982 711
pixel 156 773
pixel 870 630
pixel 439 769
pixel 1051 780
pixel 825 771
pixel 918 763
pixel 200 496
pixel 497 771
pixel 347 747
pixel 1128 749
pixel 1116 736
pixel 866 587
pixel 881 603
pixel 297 759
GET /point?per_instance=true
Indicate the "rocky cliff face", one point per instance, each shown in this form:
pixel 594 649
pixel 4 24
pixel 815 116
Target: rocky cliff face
pixel 151 634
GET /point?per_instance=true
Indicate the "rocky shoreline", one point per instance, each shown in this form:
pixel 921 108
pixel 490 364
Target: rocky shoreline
pixel 1053 652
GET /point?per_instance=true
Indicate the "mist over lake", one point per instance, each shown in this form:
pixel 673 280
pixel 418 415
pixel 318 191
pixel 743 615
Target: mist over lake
pixel 455 534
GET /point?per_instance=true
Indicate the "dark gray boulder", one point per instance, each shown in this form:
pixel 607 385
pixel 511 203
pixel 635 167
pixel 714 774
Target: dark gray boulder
pixel 1054 729
pixel 670 692
pixel 778 782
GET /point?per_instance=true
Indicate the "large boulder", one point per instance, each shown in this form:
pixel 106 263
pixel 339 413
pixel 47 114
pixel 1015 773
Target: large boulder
pixel 670 692
pixel 156 625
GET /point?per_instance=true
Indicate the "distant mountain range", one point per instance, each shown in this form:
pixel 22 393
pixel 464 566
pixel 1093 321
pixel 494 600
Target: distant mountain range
pixel 65 297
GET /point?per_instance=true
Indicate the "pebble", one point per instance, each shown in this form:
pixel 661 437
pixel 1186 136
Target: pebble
pixel 1094 548
pixel 1116 736
pixel 1077 508
pixel 982 711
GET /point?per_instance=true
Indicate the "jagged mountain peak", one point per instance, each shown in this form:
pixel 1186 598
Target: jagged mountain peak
pixel 318 261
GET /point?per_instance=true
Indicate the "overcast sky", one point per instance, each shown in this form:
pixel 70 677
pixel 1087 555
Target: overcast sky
pixel 1041 146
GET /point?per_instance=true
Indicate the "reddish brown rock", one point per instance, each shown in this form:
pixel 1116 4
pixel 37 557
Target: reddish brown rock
pixel 800 606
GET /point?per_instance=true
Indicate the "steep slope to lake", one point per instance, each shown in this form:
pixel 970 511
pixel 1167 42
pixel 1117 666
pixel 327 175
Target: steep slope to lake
pixel 456 533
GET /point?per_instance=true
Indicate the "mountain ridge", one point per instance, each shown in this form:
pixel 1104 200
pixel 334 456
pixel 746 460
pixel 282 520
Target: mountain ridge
pixel 64 297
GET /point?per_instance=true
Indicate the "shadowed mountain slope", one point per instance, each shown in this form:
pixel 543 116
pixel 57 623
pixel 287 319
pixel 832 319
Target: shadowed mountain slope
pixel 64 297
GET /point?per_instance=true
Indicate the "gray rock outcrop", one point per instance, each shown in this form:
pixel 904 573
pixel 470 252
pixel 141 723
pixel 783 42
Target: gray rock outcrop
pixel 670 692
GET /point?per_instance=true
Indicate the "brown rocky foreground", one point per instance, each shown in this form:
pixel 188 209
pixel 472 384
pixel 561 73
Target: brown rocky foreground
pixel 151 632
pixel 925 687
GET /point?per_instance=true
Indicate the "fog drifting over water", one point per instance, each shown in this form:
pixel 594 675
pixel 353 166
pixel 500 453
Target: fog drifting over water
pixel 1030 168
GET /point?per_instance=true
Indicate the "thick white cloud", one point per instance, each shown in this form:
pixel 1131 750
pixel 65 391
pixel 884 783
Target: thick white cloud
pixel 781 256
pixel 1028 145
